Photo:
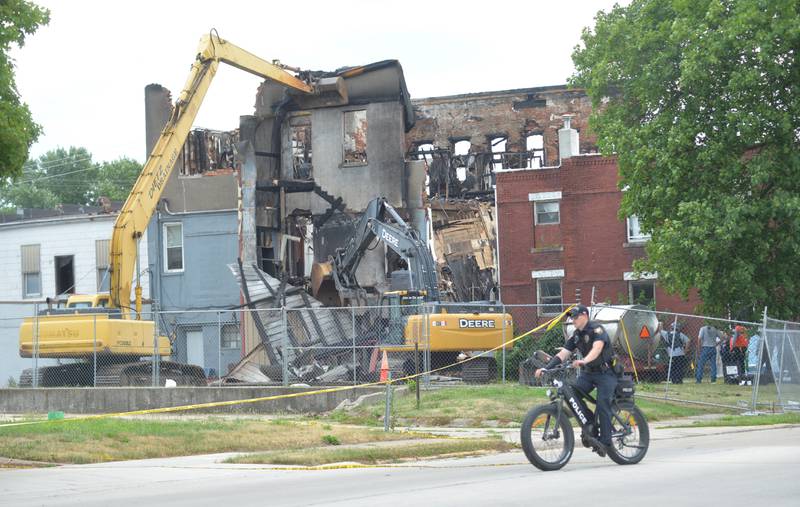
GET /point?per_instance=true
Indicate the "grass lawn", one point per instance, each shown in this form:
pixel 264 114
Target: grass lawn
pixel 378 454
pixel 124 439
pixel 501 404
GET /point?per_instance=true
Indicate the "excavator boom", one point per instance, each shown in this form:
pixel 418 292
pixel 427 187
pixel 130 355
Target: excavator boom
pixel 141 202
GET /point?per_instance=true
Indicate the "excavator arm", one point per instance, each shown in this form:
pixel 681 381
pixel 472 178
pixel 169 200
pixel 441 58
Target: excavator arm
pixel 143 198
pixel 400 237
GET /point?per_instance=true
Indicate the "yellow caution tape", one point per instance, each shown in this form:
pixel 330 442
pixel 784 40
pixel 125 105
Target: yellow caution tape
pixel 214 404
pixel 630 353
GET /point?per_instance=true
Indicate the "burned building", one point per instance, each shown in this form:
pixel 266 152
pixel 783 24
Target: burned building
pixel 310 166
pixel 464 140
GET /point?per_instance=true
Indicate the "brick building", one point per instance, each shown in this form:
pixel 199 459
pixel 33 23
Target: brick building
pixel 561 239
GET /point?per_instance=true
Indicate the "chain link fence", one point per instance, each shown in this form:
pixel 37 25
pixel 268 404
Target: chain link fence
pixel 705 360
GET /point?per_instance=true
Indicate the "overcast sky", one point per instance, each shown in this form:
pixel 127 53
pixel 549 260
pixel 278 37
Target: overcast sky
pixel 84 74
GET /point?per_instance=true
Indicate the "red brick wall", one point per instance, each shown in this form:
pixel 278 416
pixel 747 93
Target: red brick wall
pixel 596 253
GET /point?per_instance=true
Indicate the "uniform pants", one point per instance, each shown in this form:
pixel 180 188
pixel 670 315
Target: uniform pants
pixel 678 369
pixel 605 383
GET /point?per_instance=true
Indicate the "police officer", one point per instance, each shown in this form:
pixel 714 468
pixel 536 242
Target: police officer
pixel 597 369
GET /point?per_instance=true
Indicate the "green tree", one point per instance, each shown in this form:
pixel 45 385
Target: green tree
pixel 18 131
pixel 115 179
pixel 700 101
pixel 68 176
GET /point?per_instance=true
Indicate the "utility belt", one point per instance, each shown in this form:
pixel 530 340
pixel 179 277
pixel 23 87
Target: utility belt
pixel 603 368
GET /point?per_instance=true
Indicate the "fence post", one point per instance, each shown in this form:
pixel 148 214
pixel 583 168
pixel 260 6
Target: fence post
pixel 387 414
pixel 35 380
pixel 285 348
pixel 353 324
pixel 219 348
pixel 670 352
pixel 426 362
pixel 779 378
pixel 416 369
pixel 94 352
pixel 504 343
pixel 156 357
pixel 761 344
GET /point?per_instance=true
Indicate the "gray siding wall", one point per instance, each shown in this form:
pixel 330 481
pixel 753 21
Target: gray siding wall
pixel 383 175
pixel 210 243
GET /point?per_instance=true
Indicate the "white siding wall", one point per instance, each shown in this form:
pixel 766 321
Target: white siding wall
pixel 66 236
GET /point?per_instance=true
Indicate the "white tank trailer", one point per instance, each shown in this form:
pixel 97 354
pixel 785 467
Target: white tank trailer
pixel 633 333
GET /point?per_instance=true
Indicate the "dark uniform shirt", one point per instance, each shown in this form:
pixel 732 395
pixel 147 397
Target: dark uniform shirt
pixel 583 340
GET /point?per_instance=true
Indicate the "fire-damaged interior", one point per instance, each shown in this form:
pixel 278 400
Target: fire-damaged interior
pixel 307 168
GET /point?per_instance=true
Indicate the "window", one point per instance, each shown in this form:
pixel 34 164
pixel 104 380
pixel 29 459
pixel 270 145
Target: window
pixel 534 144
pixel 461 158
pixel 31 271
pixel 355 137
pixel 547 213
pixel 498 147
pixel 635 233
pixel 65 274
pixel 231 339
pixel 301 149
pixel 173 247
pixel 642 292
pixel 101 248
pixel 549 294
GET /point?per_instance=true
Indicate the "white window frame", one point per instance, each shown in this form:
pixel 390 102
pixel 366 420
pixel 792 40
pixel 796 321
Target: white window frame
pixel 542 309
pixel 165 248
pixel 536 212
pixel 641 280
pixel 25 293
pixel 635 238
pixel 222 343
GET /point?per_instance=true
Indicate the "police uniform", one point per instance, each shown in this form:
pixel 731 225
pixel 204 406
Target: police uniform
pixel 599 373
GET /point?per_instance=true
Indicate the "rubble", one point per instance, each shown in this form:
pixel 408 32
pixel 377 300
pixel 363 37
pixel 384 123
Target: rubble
pixel 317 346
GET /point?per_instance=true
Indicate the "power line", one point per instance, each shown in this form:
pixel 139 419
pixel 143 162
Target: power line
pixel 57 175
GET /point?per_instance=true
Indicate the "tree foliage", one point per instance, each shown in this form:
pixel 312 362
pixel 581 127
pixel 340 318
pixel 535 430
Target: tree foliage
pixel 68 176
pixel 18 131
pixel 700 101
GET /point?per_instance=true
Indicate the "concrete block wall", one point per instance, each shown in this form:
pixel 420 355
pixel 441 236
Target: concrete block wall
pixel 125 399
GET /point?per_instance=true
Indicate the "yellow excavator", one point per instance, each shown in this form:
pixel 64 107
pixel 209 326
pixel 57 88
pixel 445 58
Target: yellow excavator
pixel 104 325
pixel 402 324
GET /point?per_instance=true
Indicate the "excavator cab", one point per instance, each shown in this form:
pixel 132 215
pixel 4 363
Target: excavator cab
pixel 395 307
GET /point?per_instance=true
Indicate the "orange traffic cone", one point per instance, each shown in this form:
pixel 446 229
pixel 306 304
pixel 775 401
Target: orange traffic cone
pixel 384 367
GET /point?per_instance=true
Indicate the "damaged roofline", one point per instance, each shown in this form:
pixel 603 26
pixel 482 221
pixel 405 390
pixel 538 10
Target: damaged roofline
pixel 513 91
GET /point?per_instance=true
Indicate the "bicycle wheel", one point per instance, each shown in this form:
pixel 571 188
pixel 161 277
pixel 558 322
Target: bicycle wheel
pixel 548 443
pixel 630 435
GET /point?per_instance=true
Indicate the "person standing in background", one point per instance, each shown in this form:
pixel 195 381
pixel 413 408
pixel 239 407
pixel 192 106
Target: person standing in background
pixel 709 338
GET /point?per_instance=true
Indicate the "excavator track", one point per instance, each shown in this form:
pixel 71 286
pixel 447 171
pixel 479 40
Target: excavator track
pixel 135 374
pixel 480 370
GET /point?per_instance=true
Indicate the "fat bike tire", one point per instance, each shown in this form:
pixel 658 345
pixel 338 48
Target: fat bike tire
pixel 547 440
pixel 630 435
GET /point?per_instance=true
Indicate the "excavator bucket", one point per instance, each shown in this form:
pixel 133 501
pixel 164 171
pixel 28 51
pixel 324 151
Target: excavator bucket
pixel 323 288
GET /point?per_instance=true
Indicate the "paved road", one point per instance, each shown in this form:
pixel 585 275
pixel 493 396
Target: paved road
pixel 702 467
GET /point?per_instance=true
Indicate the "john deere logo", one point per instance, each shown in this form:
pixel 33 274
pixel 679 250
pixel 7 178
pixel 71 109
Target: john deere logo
pixel 476 323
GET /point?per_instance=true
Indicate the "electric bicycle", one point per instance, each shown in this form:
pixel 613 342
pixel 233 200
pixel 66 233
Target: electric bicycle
pixel 549 440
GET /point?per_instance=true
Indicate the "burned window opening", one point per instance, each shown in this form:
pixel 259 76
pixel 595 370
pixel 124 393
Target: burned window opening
pixel 498 148
pixel 208 150
pixel 534 145
pixel 355 137
pixel 301 151
pixel 461 161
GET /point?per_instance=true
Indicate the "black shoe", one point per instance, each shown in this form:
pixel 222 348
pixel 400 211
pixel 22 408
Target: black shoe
pixel 597 447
